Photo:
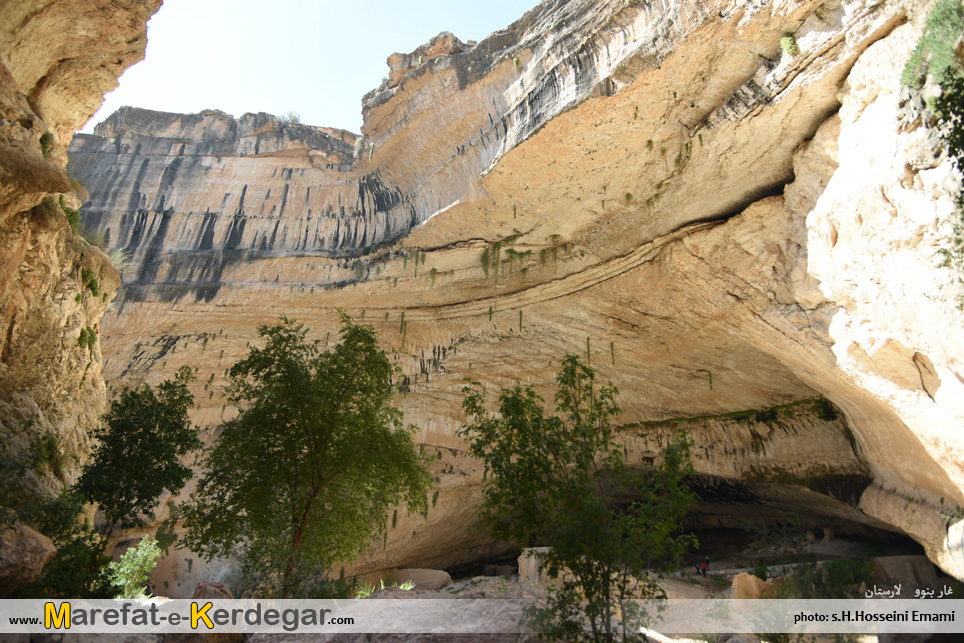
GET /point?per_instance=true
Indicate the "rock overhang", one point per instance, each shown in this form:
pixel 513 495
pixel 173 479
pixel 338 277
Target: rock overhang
pixel 593 215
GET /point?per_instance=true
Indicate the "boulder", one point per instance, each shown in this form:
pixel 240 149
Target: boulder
pixel 748 586
pixel 530 564
pixel 911 571
pixel 212 591
pixel 23 553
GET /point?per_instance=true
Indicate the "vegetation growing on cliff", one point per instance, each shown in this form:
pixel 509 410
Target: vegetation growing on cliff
pixel 91 281
pixel 554 479
pixel 55 516
pixel 46 144
pixel 309 469
pixel 935 56
pixel 788 43
pixel 935 53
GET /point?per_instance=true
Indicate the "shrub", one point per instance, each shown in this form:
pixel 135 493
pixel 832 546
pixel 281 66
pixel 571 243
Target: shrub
pixel 46 144
pixel 88 337
pixel 291 116
pixel 834 579
pixel 73 217
pixel 69 573
pixel 950 110
pixel 760 569
pixel 119 258
pixel 96 238
pixel 935 56
pixel 789 44
pixel 934 53
pixel 765 416
pixel 129 574
pixel 91 281
pixel 825 410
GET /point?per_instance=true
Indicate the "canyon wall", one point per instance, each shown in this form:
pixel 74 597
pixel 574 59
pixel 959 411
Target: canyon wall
pixel 57 59
pixel 718 224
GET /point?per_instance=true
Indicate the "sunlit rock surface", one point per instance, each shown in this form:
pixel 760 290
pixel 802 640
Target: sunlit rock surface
pixel 57 59
pixel 717 225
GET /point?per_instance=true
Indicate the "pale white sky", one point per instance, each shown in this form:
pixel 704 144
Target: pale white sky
pixel 314 57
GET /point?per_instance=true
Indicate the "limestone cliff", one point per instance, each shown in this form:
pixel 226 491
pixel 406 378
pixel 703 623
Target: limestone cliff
pixel 57 59
pixel 718 223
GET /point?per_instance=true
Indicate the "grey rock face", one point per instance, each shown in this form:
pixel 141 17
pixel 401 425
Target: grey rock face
pixel 198 192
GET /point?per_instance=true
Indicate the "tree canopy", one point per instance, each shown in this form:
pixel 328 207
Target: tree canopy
pixel 562 480
pixel 141 443
pixel 305 474
pixel 143 438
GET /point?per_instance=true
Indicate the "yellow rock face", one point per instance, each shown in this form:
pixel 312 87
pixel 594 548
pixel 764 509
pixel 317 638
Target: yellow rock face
pixel 57 59
pixel 717 225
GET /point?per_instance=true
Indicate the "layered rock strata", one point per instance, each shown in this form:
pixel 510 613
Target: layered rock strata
pixel 57 59
pixel 715 223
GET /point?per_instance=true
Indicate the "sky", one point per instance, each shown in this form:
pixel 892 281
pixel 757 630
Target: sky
pixel 314 57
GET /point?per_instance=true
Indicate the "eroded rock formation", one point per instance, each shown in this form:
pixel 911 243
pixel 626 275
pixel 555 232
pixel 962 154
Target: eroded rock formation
pixel 718 224
pixel 57 59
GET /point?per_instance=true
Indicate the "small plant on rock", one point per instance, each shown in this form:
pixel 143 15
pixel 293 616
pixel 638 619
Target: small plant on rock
pixel 46 144
pixel 88 337
pixel 789 44
pixel 91 281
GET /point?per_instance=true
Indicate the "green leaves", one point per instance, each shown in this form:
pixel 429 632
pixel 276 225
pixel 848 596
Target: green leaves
pixel 309 469
pixel 144 436
pixel 935 53
pixel 561 480
pixel 129 574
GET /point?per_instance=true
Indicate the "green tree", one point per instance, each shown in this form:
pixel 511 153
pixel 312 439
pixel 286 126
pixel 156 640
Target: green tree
pixel 562 480
pixel 129 574
pixel 307 471
pixel 141 443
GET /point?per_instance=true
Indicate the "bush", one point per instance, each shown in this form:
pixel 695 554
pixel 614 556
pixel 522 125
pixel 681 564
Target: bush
pixel 119 258
pixel 825 410
pixel 74 570
pixel 950 110
pixel 129 574
pixel 73 217
pixel 91 281
pixel 843 574
pixel 46 144
pixel 88 337
pixel 788 43
pixel 97 238
pixel 291 116
pixel 45 452
pixel 760 569
pixel 765 416
pixel 935 53
pixel 834 579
